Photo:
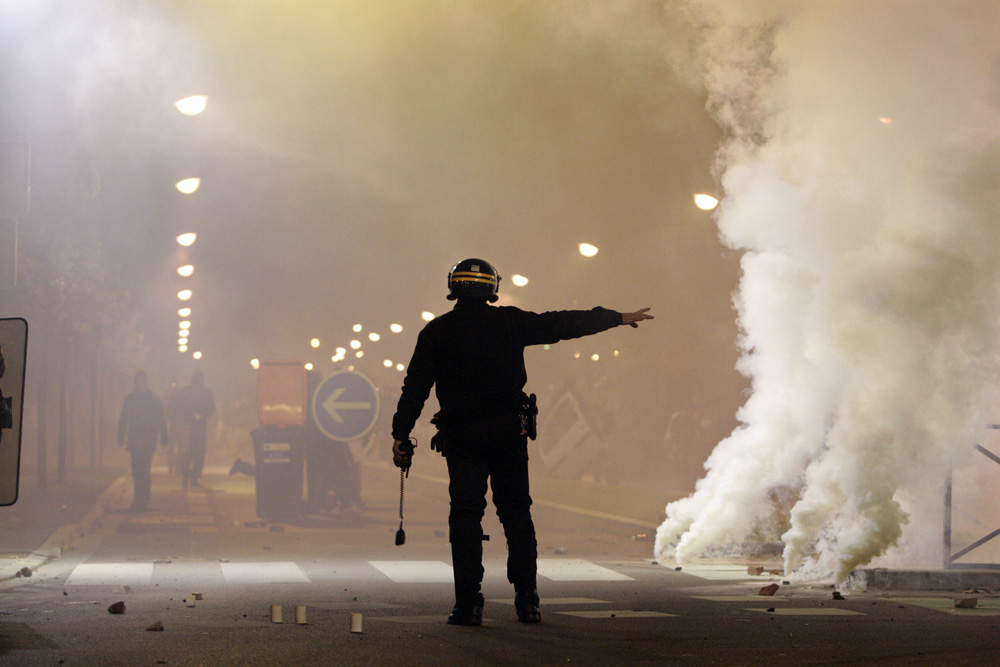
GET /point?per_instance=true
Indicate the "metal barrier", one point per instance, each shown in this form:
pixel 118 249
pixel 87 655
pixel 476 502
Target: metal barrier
pixel 950 558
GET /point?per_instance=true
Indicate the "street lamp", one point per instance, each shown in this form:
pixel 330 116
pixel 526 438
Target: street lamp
pixel 186 271
pixel 188 186
pixel 705 202
pixel 193 105
pixel 187 239
pixel 587 249
pixel 184 294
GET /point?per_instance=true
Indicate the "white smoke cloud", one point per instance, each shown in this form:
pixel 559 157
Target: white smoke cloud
pixel 860 179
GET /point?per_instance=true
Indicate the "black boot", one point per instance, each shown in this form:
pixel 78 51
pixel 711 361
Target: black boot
pixel 526 604
pixel 467 613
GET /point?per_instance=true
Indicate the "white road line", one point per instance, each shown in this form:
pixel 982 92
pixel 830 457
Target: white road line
pixel 263 573
pixel 98 574
pixel 415 571
pixel 570 569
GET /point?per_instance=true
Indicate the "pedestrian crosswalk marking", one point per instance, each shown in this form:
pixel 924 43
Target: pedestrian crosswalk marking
pixel 570 569
pixel 398 571
pixel 263 573
pixel 620 613
pixel 98 574
pixel 415 571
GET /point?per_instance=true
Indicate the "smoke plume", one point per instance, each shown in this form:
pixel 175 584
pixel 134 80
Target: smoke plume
pixel 860 173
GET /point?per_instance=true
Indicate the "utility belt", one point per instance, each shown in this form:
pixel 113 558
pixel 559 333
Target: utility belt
pixel 527 415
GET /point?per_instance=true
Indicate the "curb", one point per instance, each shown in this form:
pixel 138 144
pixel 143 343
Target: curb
pixel 64 536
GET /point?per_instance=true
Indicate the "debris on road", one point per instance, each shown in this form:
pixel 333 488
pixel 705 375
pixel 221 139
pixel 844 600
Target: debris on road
pixel 966 603
pixel 156 627
pixel 117 608
pixel 770 589
pixel 24 572
pixel 838 596
pixel 561 550
pixel 300 614
pixel 755 570
pixel 356 622
pixel 276 613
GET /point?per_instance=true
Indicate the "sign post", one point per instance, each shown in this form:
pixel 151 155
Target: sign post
pixel 345 406
pixel 13 348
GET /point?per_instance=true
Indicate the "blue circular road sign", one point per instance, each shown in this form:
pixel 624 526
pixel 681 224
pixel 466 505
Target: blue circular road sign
pixel 345 406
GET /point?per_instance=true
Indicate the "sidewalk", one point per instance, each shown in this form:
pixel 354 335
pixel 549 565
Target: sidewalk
pixel 38 518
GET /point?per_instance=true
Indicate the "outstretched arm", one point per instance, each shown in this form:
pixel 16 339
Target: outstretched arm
pixel 633 319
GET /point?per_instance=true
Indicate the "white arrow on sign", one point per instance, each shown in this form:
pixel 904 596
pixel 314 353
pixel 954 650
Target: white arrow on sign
pixel 331 405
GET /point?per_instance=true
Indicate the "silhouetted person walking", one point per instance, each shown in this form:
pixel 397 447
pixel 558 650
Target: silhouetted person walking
pixel 141 424
pixel 474 356
pixel 195 404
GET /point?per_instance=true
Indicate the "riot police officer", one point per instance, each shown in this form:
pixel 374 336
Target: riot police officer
pixel 474 357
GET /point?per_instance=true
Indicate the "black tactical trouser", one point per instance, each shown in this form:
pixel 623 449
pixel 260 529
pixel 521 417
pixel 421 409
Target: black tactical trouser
pixel 490 450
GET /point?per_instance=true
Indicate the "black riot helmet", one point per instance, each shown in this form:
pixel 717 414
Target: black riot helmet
pixel 474 278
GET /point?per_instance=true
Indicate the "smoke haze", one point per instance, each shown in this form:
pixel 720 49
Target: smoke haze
pixel 860 173
pixel 350 153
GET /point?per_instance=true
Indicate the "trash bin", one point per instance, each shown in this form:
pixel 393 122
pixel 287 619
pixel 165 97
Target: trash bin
pixel 279 458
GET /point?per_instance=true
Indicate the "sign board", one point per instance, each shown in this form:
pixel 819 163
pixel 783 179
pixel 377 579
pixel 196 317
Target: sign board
pixel 345 406
pixel 13 348
pixel 281 393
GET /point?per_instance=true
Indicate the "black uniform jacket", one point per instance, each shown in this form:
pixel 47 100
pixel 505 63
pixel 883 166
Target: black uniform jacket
pixel 474 354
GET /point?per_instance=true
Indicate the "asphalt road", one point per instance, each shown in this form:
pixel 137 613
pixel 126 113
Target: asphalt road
pixel 603 600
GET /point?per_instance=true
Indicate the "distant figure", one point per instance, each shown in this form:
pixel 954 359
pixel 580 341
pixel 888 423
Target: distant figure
pixel 142 422
pixel 179 432
pixel 195 404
